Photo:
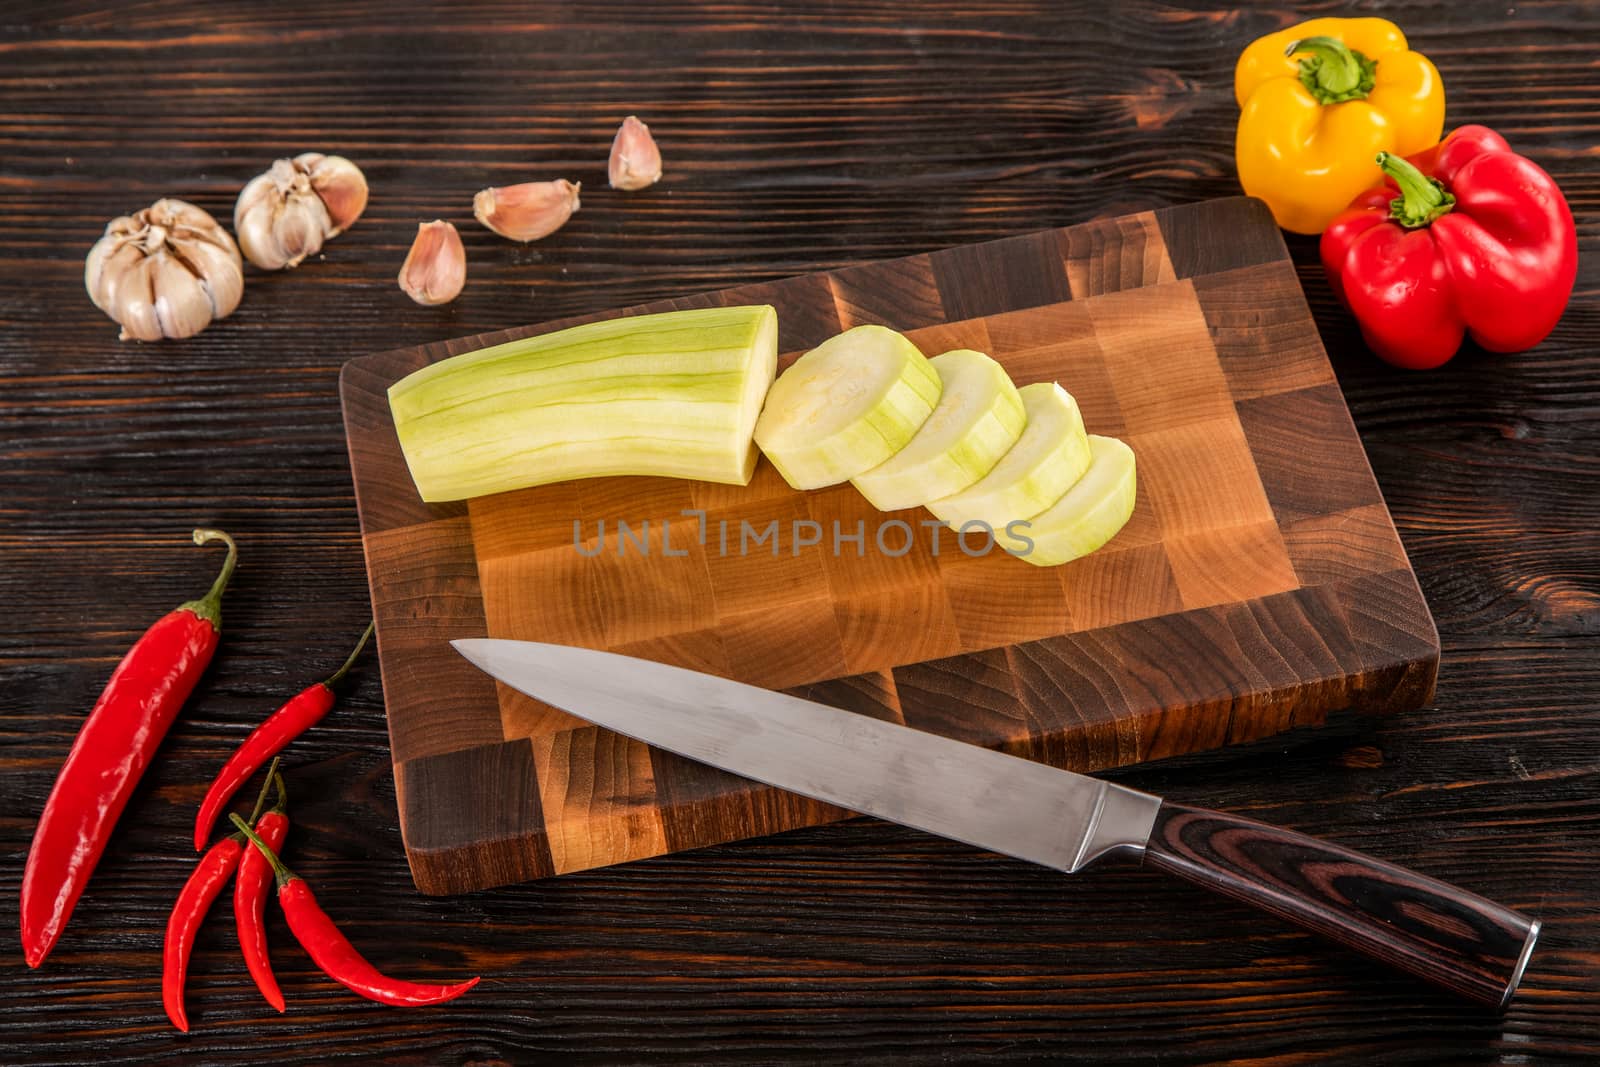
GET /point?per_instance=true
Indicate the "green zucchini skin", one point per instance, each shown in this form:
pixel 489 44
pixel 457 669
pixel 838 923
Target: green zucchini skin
pixel 674 395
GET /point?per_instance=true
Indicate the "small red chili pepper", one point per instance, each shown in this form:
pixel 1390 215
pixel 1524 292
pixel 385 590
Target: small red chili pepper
pixel 250 898
pixel 303 711
pixel 112 750
pixel 189 911
pixel 331 950
pixel 1479 242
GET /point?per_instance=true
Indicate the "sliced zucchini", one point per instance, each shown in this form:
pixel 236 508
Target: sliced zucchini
pixel 977 420
pixel 846 406
pixel 1087 515
pixel 1051 454
pixel 675 394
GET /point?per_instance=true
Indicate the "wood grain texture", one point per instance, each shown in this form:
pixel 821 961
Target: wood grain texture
pixel 667 569
pixel 796 141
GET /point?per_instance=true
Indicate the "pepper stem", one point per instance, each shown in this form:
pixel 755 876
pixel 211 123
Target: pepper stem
pixel 1422 199
pixel 209 607
pixel 284 874
pixel 281 805
pixel 261 798
pixel 1334 72
pixel 338 676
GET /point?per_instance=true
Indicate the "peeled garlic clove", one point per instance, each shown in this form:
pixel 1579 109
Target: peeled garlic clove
pixel 436 267
pixel 286 214
pixel 635 159
pixel 167 271
pixel 528 211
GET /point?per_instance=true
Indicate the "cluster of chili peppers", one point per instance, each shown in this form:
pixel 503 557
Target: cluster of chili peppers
pixel 114 747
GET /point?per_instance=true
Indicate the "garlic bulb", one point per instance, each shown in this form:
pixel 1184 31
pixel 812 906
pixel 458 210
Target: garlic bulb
pixel 166 271
pixel 284 215
pixel 436 267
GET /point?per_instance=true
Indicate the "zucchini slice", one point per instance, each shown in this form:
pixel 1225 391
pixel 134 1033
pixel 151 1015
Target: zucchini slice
pixel 1051 454
pixel 977 420
pixel 846 406
pixel 1087 515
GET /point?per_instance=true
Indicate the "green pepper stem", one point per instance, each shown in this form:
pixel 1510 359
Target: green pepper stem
pixel 209 607
pixel 283 874
pixel 338 676
pixel 1422 199
pixel 261 798
pixel 1334 72
pixel 282 803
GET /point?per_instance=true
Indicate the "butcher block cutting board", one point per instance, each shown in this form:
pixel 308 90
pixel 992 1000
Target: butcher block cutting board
pixel 1259 586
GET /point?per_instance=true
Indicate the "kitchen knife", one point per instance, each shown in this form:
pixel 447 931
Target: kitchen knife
pixel 1445 935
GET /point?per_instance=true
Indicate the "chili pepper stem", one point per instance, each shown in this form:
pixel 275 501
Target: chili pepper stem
pixel 283 874
pixel 1422 199
pixel 209 607
pixel 261 797
pixel 338 676
pixel 282 804
pixel 1334 72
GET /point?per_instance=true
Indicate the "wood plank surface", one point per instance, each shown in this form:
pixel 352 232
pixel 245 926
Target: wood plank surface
pixel 797 140
pixel 664 568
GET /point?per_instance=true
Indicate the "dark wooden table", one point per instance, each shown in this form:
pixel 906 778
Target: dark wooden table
pixel 793 143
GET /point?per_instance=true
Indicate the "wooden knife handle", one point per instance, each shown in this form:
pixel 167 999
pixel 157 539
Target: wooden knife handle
pixel 1442 934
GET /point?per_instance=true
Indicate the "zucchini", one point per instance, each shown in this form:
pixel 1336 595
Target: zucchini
pixel 977 420
pixel 675 395
pixel 1051 454
pixel 1087 515
pixel 846 406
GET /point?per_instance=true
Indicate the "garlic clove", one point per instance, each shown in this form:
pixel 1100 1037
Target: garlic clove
pixel 110 260
pixel 340 185
pixel 528 211
pixel 635 159
pixel 136 303
pixel 182 305
pixel 436 267
pixel 300 228
pixel 223 286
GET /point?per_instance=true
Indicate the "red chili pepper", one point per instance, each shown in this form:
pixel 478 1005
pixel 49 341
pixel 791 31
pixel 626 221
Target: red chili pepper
pixel 331 950
pixel 189 911
pixel 112 750
pixel 1479 242
pixel 250 899
pixel 303 711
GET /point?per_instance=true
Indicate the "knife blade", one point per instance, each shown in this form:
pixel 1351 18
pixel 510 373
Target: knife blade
pixel 1057 818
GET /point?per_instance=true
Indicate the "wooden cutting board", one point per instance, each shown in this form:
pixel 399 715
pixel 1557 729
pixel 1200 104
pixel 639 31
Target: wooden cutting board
pixel 1259 586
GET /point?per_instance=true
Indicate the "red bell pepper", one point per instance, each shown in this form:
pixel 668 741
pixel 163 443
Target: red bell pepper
pixel 1480 241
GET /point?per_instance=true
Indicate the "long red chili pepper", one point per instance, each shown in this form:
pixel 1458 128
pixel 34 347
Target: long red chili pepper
pixel 189 911
pixel 331 950
pixel 302 711
pixel 112 750
pixel 250 899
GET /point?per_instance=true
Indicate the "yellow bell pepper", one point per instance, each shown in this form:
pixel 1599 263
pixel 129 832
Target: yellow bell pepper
pixel 1318 102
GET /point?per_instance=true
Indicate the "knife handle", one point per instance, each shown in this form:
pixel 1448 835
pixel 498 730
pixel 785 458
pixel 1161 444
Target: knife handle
pixel 1441 934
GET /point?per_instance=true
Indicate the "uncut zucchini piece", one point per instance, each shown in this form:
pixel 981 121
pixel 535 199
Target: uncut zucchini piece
pixel 977 420
pixel 1051 454
pixel 675 394
pixel 846 406
pixel 1087 515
